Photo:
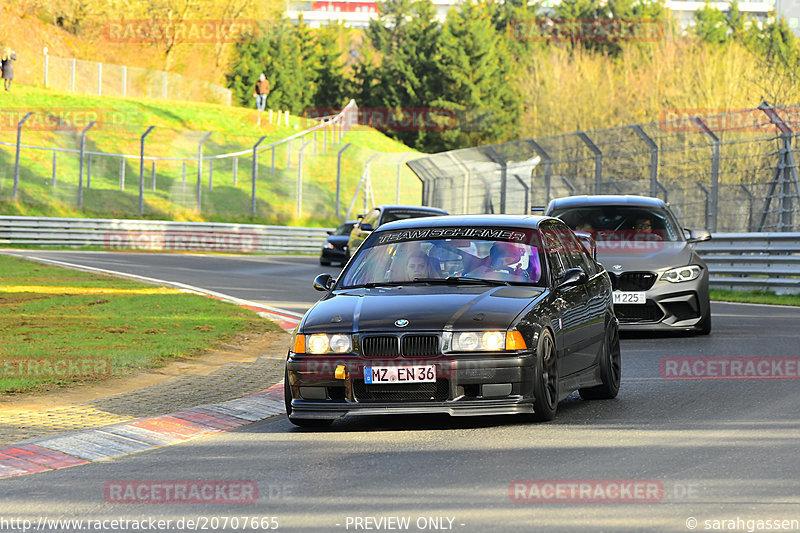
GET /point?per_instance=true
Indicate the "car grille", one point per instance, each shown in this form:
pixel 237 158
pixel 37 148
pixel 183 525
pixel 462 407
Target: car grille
pixel 401 392
pixel 407 345
pixel 383 346
pixel 628 313
pixel 632 281
pixel 416 345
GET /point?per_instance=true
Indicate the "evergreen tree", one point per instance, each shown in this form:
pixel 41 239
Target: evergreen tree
pixel 711 25
pixel 477 89
pixel 246 68
pixel 328 69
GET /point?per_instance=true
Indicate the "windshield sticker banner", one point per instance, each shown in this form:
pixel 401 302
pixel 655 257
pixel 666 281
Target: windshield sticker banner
pixel 444 233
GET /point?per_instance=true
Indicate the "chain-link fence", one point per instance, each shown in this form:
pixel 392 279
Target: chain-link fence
pixel 727 172
pixel 129 169
pixel 106 79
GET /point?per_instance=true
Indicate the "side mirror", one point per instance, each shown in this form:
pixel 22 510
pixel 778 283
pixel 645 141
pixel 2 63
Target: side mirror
pixel 324 282
pixel 697 235
pixel 365 227
pixel 359 217
pixel 588 243
pixel 329 232
pixel 571 278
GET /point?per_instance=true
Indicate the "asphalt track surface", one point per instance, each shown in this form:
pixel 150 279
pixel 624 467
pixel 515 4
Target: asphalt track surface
pixel 668 454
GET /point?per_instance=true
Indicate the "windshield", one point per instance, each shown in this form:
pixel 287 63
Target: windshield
pixel 447 255
pixel 607 223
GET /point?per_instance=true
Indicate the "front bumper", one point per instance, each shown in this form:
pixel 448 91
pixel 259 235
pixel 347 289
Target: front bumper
pixel 465 386
pixel 669 307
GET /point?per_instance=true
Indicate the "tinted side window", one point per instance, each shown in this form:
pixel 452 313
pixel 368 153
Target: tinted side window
pixel 554 251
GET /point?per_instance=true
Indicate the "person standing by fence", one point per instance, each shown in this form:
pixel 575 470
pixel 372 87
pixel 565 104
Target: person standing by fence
pixel 8 69
pixel 260 93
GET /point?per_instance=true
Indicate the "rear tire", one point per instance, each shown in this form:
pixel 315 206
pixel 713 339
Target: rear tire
pixel 610 368
pixel 545 381
pixel 300 422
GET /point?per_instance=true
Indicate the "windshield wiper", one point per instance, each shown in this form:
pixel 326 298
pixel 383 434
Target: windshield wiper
pixel 373 284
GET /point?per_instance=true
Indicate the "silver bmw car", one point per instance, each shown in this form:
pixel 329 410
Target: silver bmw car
pixel 659 281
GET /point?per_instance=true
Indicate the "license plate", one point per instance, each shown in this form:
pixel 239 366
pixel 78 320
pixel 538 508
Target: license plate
pixel 399 374
pixel 621 297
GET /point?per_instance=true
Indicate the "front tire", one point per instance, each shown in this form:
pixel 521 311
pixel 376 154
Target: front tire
pixel 545 384
pixel 610 368
pixel 300 422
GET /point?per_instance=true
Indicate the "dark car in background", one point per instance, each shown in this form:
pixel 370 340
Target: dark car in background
pixel 382 214
pixel 333 251
pixel 660 282
pixel 463 315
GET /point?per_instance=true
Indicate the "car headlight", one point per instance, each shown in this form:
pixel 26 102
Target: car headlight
pixel 484 341
pixel 677 275
pixel 321 343
pixel 328 246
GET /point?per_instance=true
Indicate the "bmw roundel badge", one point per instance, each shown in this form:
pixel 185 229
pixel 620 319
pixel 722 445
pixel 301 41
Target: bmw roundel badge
pixel 617 267
pixel 401 323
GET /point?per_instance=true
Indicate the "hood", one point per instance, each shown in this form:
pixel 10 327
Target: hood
pixel 426 308
pixel 643 256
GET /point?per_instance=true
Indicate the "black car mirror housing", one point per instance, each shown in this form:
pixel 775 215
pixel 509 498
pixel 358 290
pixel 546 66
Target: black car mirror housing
pixel 572 277
pixel 323 282
pixel 365 227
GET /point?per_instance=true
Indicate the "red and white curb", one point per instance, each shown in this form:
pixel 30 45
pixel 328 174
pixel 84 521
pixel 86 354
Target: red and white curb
pixel 99 444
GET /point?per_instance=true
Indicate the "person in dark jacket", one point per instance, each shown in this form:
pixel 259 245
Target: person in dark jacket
pixel 8 69
pixel 260 93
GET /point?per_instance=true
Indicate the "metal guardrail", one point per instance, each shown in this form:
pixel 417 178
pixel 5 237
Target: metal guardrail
pixel 753 261
pixel 157 235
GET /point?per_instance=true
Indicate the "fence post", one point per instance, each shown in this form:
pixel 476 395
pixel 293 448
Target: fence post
pixel 339 175
pixel 273 159
pixel 80 166
pixel 153 176
pixel 289 154
pixel 183 175
pixel 548 168
pixel 598 161
pixel 653 158
pixel 235 169
pixel 16 157
pixel 200 169
pixel 46 68
pixel 141 169
pixel 299 209
pixel 713 199
pixel 54 168
pixel 750 198
pixel 785 175
pixel 255 174
pixel 494 156
pixel 210 174
pixel 122 174
pixel 89 171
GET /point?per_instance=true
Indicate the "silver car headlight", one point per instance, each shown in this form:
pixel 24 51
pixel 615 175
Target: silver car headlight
pixel 680 274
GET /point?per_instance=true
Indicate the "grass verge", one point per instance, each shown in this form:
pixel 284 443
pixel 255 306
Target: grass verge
pixel 755 297
pixel 62 327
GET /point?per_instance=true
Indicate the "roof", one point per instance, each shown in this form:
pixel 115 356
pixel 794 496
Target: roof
pixel 510 221
pixel 606 199
pixel 411 208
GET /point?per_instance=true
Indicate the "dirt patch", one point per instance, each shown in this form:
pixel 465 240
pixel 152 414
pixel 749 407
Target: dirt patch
pixel 245 348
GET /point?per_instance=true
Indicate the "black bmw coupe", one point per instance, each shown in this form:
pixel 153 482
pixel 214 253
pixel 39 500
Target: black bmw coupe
pixel 464 315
